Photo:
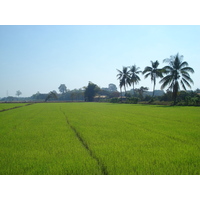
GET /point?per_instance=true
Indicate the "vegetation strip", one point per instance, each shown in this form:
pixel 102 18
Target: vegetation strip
pixel 15 107
pixel 103 168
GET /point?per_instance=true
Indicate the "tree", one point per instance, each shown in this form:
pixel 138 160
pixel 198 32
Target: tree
pixel 154 72
pixel 51 95
pixel 124 78
pixel 112 87
pixel 134 72
pixel 141 90
pixel 62 88
pixel 177 73
pixel 90 91
pixel 18 93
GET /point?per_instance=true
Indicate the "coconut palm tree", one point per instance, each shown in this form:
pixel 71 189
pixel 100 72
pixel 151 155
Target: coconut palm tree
pixel 153 72
pixel 177 73
pixel 124 78
pixel 134 72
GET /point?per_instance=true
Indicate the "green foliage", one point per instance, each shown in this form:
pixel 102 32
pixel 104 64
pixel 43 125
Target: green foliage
pixel 37 140
pixel 115 100
pixel 128 140
pixel 134 74
pixel 62 88
pixel 5 106
pixel 177 74
pixel 51 95
pixel 58 138
pixel 18 93
pixel 153 72
pixel 124 78
pixel 90 91
pixel 140 91
pixel 132 100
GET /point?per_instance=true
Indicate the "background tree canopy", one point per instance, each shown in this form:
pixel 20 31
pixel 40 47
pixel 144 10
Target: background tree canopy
pixel 90 91
pixel 62 88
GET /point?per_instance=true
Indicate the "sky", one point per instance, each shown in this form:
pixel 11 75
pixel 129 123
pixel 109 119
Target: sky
pixel 40 58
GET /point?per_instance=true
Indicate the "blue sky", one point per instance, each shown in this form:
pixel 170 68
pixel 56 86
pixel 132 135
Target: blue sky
pixel 40 58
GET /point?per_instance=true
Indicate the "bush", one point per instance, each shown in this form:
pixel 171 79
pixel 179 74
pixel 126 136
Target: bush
pixel 115 100
pixel 133 100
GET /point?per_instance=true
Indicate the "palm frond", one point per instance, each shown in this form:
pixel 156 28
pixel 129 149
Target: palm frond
pixel 183 64
pixel 183 85
pixel 167 69
pixel 187 69
pixel 167 80
pixel 147 69
pixel 147 75
pixel 187 77
pixel 166 60
pixel 186 82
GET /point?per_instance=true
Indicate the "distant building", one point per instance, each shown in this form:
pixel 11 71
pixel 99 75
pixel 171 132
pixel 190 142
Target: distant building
pixel 99 97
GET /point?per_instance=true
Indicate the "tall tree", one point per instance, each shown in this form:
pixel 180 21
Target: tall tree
pixel 18 93
pixel 153 72
pixel 134 72
pixel 62 88
pixel 124 78
pixel 112 87
pixel 177 73
pixel 90 91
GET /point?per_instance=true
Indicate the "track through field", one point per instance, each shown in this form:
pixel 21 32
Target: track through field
pixel 85 145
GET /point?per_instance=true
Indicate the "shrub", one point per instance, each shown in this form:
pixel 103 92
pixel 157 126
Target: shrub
pixel 133 100
pixel 115 100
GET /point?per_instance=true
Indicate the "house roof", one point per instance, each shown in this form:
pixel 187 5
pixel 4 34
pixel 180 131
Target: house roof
pixel 100 96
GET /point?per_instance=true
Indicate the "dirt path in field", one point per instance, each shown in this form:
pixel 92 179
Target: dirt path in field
pixel 85 145
pixel 15 107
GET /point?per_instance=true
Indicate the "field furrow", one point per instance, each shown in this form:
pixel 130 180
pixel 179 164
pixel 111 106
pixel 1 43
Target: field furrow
pixel 146 144
pixel 10 106
pixel 100 138
pixel 85 145
pixel 36 140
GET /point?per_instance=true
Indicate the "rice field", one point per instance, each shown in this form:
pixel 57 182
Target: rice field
pixel 6 106
pixel 100 139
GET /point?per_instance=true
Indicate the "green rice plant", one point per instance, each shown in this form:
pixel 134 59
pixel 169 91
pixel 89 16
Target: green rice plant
pixel 100 138
pixel 37 140
pixel 140 139
pixel 5 106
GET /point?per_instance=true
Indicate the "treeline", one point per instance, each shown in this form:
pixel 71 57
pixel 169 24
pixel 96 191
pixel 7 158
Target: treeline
pixel 93 93
pixel 174 75
pixel 184 98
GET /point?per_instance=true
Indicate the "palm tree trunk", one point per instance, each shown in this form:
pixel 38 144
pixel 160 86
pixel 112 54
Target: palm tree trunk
pixel 154 84
pixel 125 89
pixel 175 92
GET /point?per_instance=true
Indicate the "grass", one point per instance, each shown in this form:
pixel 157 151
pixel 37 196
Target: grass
pixel 95 138
pixel 5 106
pixel 37 140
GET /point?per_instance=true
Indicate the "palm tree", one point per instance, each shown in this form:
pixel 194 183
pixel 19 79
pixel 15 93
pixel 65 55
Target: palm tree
pixel 177 73
pixel 154 72
pixel 124 78
pixel 134 71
